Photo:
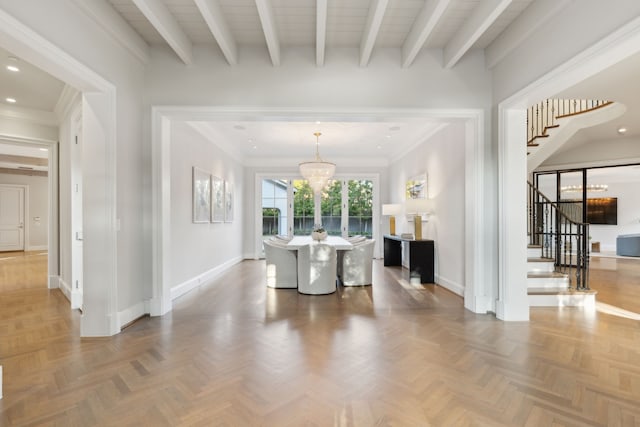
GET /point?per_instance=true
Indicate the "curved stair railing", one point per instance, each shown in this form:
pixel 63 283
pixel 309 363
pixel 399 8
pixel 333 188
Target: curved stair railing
pixel 544 115
pixel 561 237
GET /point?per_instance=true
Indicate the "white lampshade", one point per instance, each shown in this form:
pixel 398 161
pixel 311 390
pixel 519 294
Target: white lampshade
pixel 391 209
pixel 416 206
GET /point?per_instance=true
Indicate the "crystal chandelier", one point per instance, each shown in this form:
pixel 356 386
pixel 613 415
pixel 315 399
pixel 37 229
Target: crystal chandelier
pixel 590 188
pixel 317 172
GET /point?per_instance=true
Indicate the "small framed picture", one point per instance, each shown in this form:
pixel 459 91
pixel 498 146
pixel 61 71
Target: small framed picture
pixel 228 201
pixel 201 196
pixel 218 208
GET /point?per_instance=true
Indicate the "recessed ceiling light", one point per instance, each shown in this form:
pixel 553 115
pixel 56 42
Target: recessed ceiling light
pixel 239 127
pixel 388 136
pixel 11 100
pixel 13 64
pixel 394 128
pixel 379 147
pixel 622 130
pixel 255 147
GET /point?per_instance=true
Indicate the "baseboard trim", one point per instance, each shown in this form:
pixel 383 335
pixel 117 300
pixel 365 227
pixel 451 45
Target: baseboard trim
pixel 73 295
pixel 454 287
pixel 37 248
pixel 189 285
pixel 65 288
pixel 133 313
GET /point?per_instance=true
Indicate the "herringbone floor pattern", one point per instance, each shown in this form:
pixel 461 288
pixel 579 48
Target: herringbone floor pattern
pixel 234 353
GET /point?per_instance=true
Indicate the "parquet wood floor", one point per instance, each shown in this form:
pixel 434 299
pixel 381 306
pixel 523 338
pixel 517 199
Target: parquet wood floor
pixel 234 353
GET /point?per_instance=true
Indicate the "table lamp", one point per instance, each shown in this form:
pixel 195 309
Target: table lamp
pixel 391 210
pixel 416 207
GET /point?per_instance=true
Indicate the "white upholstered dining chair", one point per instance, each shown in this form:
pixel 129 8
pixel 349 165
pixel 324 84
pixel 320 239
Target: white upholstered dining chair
pixel 282 267
pixel 357 264
pixel 317 264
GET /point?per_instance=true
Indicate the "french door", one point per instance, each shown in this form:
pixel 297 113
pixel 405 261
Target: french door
pixel 345 207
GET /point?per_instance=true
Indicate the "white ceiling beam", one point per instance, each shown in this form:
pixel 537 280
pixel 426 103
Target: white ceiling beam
pixel 163 21
pixel 371 30
pixel 114 24
pixel 269 27
pixel 475 26
pixel 423 26
pixel 212 14
pixel 321 31
pixel 527 23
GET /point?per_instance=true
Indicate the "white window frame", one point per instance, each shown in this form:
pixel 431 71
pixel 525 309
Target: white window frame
pixel 345 178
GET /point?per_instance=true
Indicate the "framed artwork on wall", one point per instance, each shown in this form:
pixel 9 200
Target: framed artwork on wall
pixel 416 187
pixel 228 201
pixel 217 200
pixel 201 196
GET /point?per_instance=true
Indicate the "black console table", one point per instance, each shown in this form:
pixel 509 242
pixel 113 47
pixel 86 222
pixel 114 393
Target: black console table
pixel 417 256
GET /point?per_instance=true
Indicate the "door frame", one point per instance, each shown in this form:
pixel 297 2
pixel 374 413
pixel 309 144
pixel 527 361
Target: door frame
pixel 53 241
pixel 99 125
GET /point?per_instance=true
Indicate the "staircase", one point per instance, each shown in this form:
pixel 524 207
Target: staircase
pixel 553 122
pixel 557 255
pixel 558 251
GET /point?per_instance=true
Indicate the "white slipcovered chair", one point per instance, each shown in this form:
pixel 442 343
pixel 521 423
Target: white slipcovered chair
pixel 356 239
pixel 357 265
pixel 282 267
pixel 317 264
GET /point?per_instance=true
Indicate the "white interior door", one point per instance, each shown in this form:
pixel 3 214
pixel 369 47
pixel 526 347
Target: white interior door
pixel 11 218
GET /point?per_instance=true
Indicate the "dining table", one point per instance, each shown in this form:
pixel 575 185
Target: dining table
pixel 336 241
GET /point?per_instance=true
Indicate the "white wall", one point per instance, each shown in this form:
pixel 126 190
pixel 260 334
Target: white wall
pixel 11 126
pixel 628 216
pixel 200 248
pixel 573 29
pixel 298 82
pixel 38 207
pixel 442 158
pixel 596 153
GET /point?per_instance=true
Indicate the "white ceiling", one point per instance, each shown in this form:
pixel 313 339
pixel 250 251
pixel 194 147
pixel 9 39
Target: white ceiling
pixel 363 141
pixel 295 21
pixel 619 83
pixel 31 87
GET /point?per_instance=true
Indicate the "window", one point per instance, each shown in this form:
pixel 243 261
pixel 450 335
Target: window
pixel 331 208
pixel 360 205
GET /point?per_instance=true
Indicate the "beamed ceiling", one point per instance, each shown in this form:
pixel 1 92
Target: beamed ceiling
pixel 455 26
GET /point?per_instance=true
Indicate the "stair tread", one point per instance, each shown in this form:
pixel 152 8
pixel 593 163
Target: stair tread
pixel 559 291
pixel 534 246
pixel 540 259
pixel 546 275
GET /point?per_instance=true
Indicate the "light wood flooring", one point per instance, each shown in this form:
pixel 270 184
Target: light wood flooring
pixel 234 353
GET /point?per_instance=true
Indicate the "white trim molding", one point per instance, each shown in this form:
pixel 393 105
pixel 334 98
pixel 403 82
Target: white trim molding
pixel 478 261
pixel 203 278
